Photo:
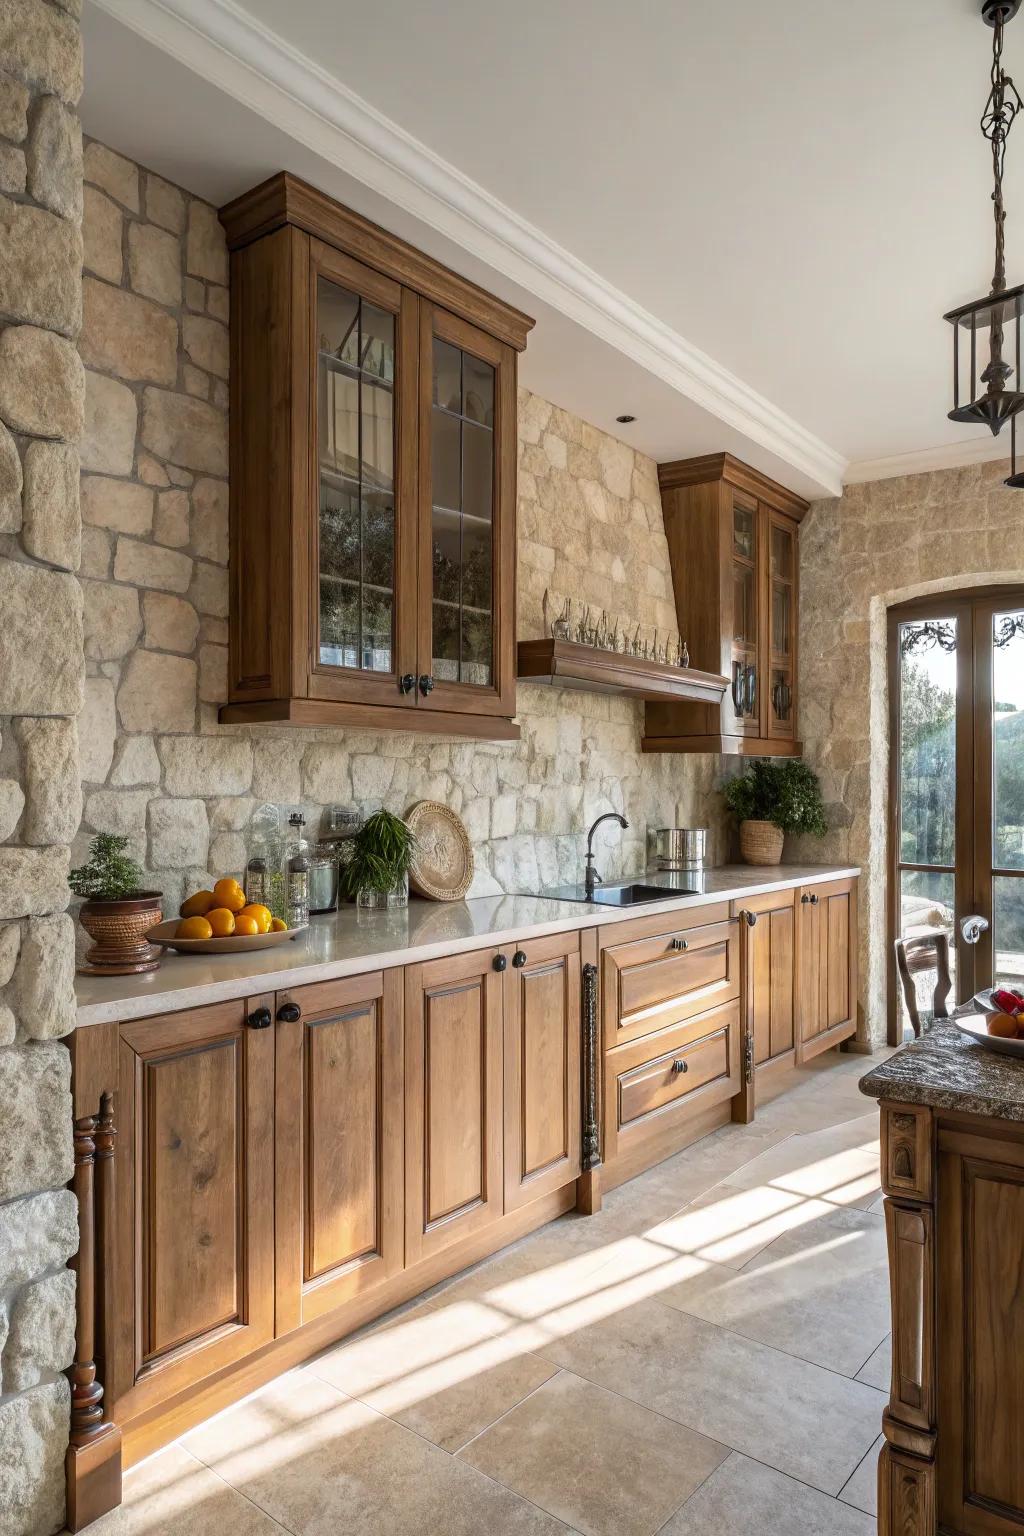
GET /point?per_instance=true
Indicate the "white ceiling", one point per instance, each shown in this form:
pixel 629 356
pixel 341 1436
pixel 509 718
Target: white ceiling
pixel 739 221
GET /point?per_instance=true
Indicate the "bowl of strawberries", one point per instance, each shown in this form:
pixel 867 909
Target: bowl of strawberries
pixel 1000 1023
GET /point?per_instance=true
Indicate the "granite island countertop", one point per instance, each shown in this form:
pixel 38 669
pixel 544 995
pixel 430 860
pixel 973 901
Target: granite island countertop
pixel 947 1070
pixel 348 942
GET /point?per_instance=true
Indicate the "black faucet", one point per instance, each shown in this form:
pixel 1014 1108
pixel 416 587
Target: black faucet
pixel 590 874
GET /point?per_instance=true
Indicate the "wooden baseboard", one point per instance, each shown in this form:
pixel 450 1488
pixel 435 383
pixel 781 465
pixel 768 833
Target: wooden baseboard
pixel 149 1432
pixel 827 1039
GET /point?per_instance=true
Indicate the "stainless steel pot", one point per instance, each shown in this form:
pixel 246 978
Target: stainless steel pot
pixel 681 847
pixel 323 877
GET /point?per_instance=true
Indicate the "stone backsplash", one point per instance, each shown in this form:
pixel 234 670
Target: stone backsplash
pixel 156 764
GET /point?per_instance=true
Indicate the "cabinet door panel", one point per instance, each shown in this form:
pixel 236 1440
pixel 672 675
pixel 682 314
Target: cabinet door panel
pixel 826 964
pixel 195 1200
pixel 340 1182
pixel 771 980
pixel 669 976
pixel 543 1092
pixel 453 1052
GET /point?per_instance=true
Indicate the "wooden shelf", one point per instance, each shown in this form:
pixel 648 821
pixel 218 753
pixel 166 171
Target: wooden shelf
pixel 568 665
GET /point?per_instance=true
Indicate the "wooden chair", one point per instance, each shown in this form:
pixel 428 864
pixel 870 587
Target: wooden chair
pixel 925 951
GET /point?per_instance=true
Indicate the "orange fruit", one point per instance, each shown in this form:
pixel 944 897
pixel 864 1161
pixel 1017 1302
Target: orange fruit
pixel 193 928
pixel 229 894
pixel 1002 1024
pixel 199 904
pixel 259 914
pixel 221 921
pixel 246 925
pixel 278 925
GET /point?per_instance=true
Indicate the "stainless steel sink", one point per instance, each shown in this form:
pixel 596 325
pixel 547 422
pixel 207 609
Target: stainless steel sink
pixel 632 894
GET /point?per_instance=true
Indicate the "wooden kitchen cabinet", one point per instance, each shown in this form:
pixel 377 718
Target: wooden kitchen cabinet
pixel 770 974
pixel 826 961
pixel 542 1067
pixel 340 1175
pixel 732 539
pixel 193 1267
pixel 453 1100
pixel 373 477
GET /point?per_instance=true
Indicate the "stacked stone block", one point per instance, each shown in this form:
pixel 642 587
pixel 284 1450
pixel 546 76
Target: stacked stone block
pixel 41 681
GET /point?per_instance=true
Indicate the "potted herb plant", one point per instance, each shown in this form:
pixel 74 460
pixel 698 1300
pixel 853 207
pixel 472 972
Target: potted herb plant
pixel 377 872
pixel 771 797
pixel 116 912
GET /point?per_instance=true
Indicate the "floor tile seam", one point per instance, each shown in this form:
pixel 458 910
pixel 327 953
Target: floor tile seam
pixel 790 1476
pixel 703 1482
pixel 786 1353
pixel 853 1474
pixel 281 1526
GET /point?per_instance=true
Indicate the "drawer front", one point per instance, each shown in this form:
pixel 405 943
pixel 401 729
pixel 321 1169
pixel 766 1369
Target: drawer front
pixel 672 1076
pixel 655 982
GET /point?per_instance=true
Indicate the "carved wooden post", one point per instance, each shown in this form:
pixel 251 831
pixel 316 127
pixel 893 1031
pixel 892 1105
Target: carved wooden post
pixel 589 1188
pixel 906 1464
pixel 93 1461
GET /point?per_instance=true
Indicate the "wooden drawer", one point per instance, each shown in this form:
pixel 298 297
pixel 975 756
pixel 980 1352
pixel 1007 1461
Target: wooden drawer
pixel 670 1077
pixel 648 1104
pixel 654 982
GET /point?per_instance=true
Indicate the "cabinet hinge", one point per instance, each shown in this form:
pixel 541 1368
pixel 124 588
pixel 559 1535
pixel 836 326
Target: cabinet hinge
pixel 748 1058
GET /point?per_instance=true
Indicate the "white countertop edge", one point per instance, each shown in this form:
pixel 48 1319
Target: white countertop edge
pixel 139 1002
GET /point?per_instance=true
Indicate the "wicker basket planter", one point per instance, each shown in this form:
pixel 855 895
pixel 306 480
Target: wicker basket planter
pixel 761 842
pixel 118 930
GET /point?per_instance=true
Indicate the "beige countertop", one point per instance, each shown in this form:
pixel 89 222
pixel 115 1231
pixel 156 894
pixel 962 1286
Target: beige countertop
pixel 348 942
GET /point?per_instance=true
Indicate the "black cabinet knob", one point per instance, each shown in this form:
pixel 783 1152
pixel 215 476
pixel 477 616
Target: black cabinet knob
pixel 814 901
pixel 260 1018
pixel 426 684
pixel 519 959
pixel 805 898
pixel 289 1013
pixel 750 918
pixel 678 943
pixel 680 1066
pixel 407 682
pixel 500 962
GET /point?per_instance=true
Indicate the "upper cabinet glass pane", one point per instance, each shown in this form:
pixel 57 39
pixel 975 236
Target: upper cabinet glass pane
pixel 782 553
pixel 462 497
pixel 743 532
pixel 356 456
pixel 782 618
pixel 744 605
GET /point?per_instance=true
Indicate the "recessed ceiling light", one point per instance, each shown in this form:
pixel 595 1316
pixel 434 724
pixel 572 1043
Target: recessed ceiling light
pixel 625 419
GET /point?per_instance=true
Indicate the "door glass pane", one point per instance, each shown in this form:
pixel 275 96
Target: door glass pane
pixel 356 454
pixel 743 532
pixel 1008 925
pixel 781 618
pixel 927 678
pixel 462 496
pixel 1008 740
pixel 926 902
pixel 744 605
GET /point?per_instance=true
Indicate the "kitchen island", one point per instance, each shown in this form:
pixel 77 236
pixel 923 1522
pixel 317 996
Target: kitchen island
pixel 275 1148
pixel 952 1131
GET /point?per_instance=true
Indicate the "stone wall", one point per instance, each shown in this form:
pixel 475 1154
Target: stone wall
pixel 41 669
pixel 875 546
pixel 156 764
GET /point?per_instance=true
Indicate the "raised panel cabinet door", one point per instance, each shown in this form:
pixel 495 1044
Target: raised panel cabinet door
pixel 543 1089
pixel 453 1100
pixel 826 965
pixel 340 1176
pixel 771 978
pixel 467 527
pixel 195 1199
pixel 808 968
pixel 780 576
pixel 981 1325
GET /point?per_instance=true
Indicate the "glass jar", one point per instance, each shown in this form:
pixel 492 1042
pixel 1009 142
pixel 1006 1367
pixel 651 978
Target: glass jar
pixel 370 900
pixel 297 873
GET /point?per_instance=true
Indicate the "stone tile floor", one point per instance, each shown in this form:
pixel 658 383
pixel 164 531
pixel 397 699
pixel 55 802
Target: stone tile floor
pixel 705 1357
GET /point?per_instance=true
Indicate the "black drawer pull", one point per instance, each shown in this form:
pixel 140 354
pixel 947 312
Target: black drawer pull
pixel 750 918
pixel 426 684
pixel 259 1019
pixel 406 683
pixel 678 943
pixel 289 1013
pixel 500 962
pixel 680 1066
pixel 519 959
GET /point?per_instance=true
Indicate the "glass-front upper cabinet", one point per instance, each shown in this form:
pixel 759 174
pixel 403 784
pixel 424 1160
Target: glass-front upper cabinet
pixel 782 607
pixel 468 397
pixel 744 681
pixel 362 543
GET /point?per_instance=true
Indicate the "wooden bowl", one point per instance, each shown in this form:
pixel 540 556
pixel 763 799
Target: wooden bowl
pixel 232 944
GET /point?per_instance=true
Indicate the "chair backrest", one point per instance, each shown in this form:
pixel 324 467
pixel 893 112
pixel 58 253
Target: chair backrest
pixel 926 951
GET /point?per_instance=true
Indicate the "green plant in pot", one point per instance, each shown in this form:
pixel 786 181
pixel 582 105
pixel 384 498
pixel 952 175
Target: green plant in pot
pixel 377 871
pixel 116 912
pixel 773 796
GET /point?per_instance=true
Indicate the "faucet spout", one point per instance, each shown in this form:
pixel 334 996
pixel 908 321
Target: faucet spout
pixel 590 874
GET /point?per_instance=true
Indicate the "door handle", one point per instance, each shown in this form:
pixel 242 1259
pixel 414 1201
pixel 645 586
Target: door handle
pixel 972 927
pixel 680 1066
pixel 406 683
pixel 809 900
pixel 259 1019
pixel 289 1013
pixel 678 943
pixel 519 959
pixel 499 963
pixel 750 918
pixel 426 684
pixel 739 687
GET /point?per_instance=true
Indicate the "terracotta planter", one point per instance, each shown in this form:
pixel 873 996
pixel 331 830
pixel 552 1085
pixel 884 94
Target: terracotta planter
pixel 761 842
pixel 118 930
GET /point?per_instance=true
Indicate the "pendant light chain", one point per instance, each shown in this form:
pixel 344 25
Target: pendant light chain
pixel 997 120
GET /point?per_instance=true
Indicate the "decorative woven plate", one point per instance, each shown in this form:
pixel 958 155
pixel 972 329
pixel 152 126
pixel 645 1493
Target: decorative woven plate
pixel 442 867
pixel 230 944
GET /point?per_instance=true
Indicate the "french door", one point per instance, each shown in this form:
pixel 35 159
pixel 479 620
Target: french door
pixel 956 692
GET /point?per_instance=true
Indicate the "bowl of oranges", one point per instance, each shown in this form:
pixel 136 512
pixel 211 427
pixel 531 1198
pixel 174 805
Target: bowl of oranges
pixel 1000 1024
pixel 221 921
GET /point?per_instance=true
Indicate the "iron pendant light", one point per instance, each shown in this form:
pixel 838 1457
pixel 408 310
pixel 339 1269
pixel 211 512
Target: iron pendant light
pixel 989 319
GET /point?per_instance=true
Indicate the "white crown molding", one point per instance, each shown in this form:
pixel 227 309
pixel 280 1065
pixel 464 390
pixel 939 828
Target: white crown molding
pixel 226 46
pixel 973 450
